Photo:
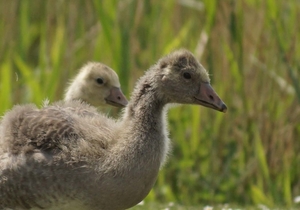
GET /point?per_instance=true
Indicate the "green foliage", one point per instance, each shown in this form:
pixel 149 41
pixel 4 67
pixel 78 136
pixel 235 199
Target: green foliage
pixel 249 155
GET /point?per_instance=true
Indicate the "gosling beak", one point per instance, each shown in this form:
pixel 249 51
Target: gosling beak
pixel 116 97
pixel 209 98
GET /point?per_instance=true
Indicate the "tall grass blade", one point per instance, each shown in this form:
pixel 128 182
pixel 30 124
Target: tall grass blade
pixel 260 154
pixel 176 42
pixel 35 92
pixel 5 85
pixel 24 26
pixel 259 197
pixel 57 51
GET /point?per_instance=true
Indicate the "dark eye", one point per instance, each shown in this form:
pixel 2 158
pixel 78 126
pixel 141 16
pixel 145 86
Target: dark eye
pixel 187 75
pixel 100 81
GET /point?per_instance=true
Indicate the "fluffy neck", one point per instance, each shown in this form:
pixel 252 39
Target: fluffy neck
pixel 146 115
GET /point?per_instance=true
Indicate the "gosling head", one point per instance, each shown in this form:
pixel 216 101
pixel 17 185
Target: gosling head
pixel 98 85
pixel 184 80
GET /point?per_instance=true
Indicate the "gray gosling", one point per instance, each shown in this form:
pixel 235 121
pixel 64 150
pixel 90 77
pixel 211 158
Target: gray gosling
pixel 51 158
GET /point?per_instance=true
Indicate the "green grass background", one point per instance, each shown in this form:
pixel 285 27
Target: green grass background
pixel 248 156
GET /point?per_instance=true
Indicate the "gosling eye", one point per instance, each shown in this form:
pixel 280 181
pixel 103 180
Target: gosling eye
pixel 187 75
pixel 99 81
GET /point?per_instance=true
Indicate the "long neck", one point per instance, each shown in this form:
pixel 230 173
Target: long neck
pixel 141 146
pixel 145 121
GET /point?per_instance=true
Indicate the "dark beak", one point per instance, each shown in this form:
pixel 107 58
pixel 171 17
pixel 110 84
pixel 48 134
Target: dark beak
pixel 209 98
pixel 116 98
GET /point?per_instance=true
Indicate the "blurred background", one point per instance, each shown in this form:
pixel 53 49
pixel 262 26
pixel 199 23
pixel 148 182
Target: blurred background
pixel 248 156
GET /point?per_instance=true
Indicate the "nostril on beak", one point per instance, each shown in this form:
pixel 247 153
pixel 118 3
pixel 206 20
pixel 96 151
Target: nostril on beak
pixel 119 97
pixel 211 97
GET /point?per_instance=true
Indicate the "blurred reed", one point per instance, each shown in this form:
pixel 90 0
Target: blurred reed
pixel 250 155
